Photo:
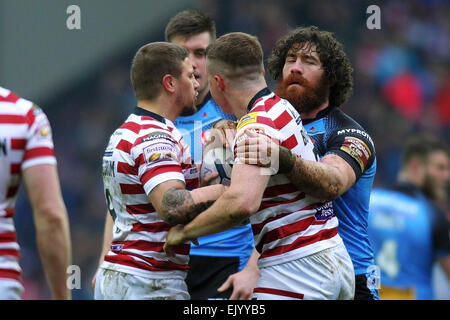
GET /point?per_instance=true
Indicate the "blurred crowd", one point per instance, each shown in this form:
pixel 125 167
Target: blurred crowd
pixel 401 86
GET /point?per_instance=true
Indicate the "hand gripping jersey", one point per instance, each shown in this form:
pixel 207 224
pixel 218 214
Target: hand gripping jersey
pixel 289 224
pixel 145 151
pixel 25 141
pixel 235 242
pixel 333 132
pixel 407 234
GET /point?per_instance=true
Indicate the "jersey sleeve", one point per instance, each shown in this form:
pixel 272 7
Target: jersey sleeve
pixel 353 145
pixel 441 234
pixel 158 158
pixel 39 148
pixel 257 122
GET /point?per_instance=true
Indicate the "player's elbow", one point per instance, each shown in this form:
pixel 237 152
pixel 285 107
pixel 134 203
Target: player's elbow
pixel 50 216
pixel 242 207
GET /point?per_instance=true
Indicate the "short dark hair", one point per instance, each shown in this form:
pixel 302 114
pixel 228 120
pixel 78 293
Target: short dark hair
pixel 151 63
pixel 236 55
pixel 421 146
pixel 188 23
pixel 337 67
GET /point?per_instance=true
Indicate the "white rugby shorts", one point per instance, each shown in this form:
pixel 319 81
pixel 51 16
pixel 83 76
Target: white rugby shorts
pixel 325 275
pixel 116 285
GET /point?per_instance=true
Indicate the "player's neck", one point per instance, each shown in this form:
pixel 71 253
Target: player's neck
pixel 160 106
pixel 313 114
pixel 239 99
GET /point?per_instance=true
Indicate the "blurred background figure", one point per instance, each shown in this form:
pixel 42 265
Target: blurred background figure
pixel 402 86
pixel 26 152
pixel 407 229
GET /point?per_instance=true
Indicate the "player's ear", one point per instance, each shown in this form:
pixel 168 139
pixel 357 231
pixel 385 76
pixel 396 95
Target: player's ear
pixel 168 82
pixel 220 82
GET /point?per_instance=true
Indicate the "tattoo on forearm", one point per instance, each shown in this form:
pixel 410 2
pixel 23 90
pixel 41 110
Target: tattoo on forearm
pixel 314 179
pixel 178 207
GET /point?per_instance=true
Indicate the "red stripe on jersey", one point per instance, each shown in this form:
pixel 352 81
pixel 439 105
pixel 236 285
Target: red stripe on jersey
pixel 10 274
pixel 30 117
pixel 140 208
pixel 279 292
pixel 124 146
pixel 300 242
pixel 267 204
pixel 8 237
pixel 127 260
pixel 18 144
pixel 9 214
pixel 151 227
pixel 126 188
pixel 125 168
pixel 11 97
pixel 266 121
pixel 14 168
pixel 9 252
pixel 12 118
pixel 282 120
pixel 38 152
pixel 143 245
pixel 269 103
pixel 257 227
pixel 287 230
pixel 290 142
pixel 161 169
pixel 274 191
pixel 132 126
pixel 12 191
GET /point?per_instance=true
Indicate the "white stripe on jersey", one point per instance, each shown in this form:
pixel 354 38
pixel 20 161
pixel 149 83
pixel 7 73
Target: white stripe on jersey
pixel 285 227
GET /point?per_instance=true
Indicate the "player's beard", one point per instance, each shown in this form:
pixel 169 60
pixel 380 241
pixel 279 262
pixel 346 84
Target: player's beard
pixel 306 98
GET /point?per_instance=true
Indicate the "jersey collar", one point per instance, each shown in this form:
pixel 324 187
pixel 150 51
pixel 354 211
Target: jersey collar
pixel 142 112
pixel 261 93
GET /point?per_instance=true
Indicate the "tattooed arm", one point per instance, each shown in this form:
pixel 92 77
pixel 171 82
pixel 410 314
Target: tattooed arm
pixel 327 179
pixel 176 205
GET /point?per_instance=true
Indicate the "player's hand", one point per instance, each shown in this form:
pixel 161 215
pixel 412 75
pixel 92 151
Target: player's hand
pixel 205 182
pixel 258 149
pixel 175 236
pixel 226 129
pixel 243 283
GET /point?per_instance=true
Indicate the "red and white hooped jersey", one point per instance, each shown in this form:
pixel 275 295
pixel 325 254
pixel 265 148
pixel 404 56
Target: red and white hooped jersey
pixel 142 153
pixel 25 141
pixel 289 224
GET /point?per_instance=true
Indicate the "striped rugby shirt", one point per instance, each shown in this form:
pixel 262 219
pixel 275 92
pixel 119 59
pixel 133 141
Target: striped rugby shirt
pixel 289 224
pixel 142 153
pixel 25 141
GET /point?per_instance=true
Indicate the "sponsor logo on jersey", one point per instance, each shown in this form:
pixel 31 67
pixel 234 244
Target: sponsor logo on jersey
pixel 157 136
pixel 324 212
pixel 249 118
pixel 358 150
pixel 160 151
pixel 357 131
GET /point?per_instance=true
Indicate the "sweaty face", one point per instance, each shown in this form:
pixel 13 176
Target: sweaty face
pixel 437 175
pixel 303 84
pixel 196 45
pixel 187 91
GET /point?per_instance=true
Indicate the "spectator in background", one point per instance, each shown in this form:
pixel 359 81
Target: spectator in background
pixel 408 232
pixel 26 151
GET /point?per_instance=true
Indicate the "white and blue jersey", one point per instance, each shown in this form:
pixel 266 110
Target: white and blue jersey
pixel 235 242
pixel 334 132
pixel 408 234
